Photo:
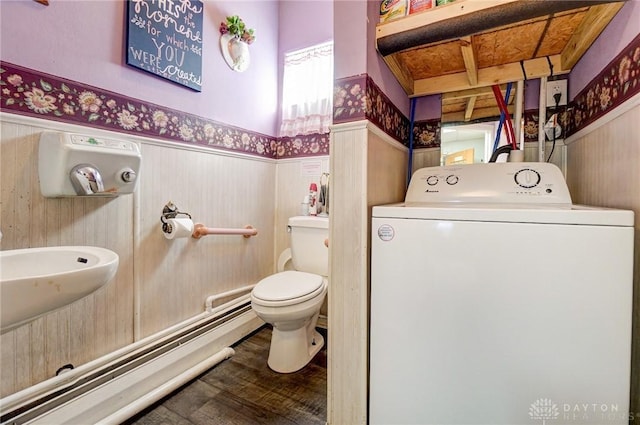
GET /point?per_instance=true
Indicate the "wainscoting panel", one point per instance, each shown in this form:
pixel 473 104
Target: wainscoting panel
pixel 386 169
pixel 292 184
pixel 159 282
pixel 428 157
pixel 603 166
pixel 603 170
pixel 347 379
pixel 367 168
pixel 89 327
pixel 218 191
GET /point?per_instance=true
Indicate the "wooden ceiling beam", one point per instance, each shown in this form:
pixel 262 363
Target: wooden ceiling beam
pixel 534 68
pixel 468 113
pixel 478 114
pixel 469 57
pixel 477 92
pixel 463 94
pixel 589 29
pixel 401 74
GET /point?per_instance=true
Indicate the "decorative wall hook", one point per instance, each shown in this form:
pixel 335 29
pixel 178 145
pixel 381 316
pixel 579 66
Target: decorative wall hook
pixel 235 39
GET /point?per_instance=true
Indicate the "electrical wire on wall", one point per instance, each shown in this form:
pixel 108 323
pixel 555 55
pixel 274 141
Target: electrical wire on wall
pixel 554 128
pixel 411 122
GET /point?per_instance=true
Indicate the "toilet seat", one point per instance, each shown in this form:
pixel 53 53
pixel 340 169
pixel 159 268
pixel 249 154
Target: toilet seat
pixel 287 288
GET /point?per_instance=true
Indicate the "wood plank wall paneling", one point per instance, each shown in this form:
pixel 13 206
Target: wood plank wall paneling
pixel 83 330
pixel 603 170
pixel 77 333
pixel 292 186
pixel 364 170
pixel 558 154
pixel 173 277
pixel 428 157
pixel 386 170
pixel 218 191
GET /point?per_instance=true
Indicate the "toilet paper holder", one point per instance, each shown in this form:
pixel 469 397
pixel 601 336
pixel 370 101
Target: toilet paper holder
pixel 170 210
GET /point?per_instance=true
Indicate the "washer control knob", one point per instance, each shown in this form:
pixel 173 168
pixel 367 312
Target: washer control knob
pixel 432 180
pixel 527 178
pixel 452 179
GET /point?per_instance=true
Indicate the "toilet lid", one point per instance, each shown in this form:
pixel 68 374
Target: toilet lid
pixel 287 285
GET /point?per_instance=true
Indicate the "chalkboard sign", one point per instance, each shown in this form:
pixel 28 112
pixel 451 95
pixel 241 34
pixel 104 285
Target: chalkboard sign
pixel 164 37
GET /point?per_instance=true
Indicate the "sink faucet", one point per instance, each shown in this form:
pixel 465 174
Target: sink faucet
pixel 86 179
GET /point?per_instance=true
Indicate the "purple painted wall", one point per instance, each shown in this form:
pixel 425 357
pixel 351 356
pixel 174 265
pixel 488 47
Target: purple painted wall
pixel 85 41
pixel 622 29
pixel 531 94
pixel 377 68
pixel 428 108
pixel 355 54
pixel 349 36
pixel 308 22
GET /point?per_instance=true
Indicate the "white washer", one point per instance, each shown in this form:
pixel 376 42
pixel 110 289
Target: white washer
pixel 494 300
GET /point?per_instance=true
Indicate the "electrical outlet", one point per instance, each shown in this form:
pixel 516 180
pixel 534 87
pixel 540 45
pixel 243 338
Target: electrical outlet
pixel 554 87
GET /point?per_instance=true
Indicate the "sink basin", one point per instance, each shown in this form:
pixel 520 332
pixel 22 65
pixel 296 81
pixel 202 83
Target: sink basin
pixel 36 281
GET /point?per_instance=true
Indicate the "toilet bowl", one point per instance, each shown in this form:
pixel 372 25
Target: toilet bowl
pixel 290 300
pixel 294 340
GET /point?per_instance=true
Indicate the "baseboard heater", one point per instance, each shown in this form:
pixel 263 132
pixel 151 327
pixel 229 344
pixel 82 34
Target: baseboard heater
pixel 119 385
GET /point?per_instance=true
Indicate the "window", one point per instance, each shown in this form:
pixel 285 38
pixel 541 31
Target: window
pixel 307 91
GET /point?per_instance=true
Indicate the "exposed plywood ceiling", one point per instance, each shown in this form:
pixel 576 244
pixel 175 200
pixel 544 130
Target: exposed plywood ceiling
pixel 490 42
pixel 473 105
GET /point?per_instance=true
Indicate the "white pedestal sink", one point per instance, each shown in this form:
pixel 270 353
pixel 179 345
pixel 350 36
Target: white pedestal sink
pixel 36 281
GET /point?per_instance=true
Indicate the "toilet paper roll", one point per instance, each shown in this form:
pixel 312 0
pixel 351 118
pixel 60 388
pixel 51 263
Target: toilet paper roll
pixel 178 228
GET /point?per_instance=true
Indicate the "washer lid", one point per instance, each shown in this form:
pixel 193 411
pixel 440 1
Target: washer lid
pixel 287 285
pixel 536 214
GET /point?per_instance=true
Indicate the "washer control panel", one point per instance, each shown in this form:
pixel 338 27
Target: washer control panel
pixel 503 182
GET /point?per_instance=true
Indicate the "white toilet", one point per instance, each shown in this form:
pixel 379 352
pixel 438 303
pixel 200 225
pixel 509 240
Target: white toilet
pixel 290 300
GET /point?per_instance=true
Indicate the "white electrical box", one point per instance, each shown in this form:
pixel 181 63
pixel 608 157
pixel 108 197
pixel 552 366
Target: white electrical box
pixel 556 88
pixel 79 165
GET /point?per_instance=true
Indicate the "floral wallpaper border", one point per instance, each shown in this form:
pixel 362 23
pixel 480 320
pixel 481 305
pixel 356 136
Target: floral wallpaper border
pixel 358 97
pixel 350 101
pixel 616 83
pixel 28 92
pixel 426 134
pixel 303 145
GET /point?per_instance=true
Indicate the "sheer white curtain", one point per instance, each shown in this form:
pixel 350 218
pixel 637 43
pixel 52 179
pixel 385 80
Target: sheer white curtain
pixel 307 91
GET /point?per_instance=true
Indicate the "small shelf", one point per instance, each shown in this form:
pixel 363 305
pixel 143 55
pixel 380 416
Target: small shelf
pixel 477 43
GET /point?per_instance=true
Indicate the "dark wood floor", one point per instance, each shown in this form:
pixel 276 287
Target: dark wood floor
pixel 243 390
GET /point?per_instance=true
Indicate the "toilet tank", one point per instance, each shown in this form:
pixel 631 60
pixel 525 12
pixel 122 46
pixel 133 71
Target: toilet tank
pixel 308 250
